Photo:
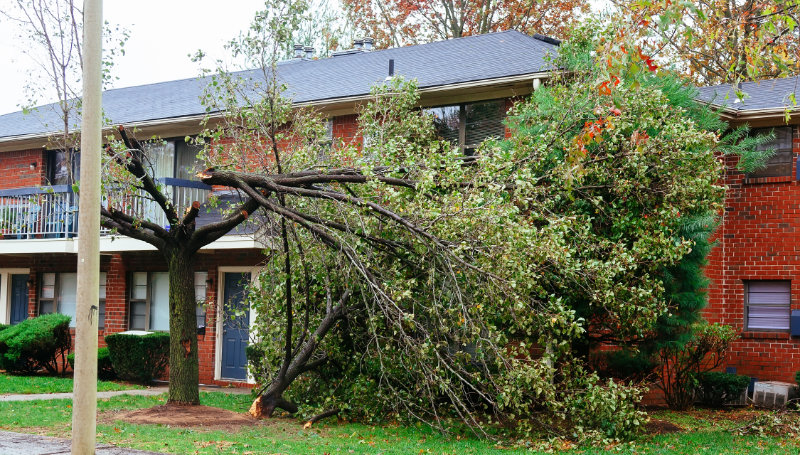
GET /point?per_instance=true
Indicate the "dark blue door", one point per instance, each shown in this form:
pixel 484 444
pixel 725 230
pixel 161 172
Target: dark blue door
pixel 235 326
pixel 19 298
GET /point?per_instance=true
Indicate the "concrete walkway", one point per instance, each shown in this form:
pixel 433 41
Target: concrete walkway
pixel 31 444
pixel 100 395
pixel 157 390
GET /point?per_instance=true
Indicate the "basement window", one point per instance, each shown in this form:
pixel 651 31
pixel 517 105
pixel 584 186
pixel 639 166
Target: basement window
pixel 780 163
pixel 468 125
pixel 767 305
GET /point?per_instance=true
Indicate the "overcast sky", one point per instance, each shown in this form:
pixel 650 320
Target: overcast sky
pixel 162 35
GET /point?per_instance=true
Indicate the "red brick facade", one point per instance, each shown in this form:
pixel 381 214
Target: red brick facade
pixel 757 240
pixel 15 167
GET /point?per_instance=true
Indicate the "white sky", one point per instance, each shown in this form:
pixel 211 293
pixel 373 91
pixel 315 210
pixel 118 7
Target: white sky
pixel 162 35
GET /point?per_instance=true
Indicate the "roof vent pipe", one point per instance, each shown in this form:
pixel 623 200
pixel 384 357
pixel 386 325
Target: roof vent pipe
pixel 368 44
pixel 309 52
pixel 358 44
pixel 298 51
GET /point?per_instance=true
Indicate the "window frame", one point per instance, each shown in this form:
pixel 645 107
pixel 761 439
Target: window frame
pixel 769 169
pixel 148 299
pixel 55 301
pixel 747 306
pixel 469 149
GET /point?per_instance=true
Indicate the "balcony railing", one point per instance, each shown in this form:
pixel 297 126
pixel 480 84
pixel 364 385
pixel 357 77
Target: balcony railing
pixel 52 211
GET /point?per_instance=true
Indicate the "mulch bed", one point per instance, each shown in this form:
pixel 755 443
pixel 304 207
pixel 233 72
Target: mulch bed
pixel 185 416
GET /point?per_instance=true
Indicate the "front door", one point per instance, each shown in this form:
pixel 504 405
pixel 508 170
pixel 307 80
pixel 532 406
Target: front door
pixel 19 298
pixel 235 326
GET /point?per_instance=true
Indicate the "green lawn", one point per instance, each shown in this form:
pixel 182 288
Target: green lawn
pixel 706 433
pixel 50 384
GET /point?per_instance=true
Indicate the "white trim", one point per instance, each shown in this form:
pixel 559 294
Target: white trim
pixel 5 296
pixel 220 315
pixel 117 243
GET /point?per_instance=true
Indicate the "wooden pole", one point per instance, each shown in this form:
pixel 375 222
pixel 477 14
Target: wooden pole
pixel 84 405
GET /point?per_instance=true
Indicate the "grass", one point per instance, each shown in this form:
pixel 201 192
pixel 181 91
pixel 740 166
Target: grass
pixel 50 384
pixel 706 432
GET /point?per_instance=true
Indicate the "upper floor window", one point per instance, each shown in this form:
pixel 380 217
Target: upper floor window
pixel 174 158
pixel 767 305
pixel 780 163
pixel 467 125
pixel 57 167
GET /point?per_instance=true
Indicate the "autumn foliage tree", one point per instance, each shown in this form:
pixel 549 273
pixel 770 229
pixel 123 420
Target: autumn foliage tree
pixel 721 41
pixel 396 23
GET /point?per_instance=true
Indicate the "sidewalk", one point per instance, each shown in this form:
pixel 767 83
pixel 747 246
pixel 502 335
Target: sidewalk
pixel 100 395
pixel 157 390
pixel 31 444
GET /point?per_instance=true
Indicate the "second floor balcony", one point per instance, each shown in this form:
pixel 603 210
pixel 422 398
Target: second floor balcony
pixel 51 212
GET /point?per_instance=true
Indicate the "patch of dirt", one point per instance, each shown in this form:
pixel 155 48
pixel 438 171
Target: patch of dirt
pixel 203 417
pixel 656 426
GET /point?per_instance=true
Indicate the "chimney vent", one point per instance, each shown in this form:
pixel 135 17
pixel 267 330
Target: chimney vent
pixel 368 44
pixel 358 44
pixel 309 52
pixel 391 69
pixel 298 51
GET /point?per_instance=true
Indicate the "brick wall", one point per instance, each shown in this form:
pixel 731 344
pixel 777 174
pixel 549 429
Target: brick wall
pixel 15 167
pixel 758 239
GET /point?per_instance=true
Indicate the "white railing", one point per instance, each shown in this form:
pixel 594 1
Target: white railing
pixel 52 211
pixel 141 206
pixel 42 212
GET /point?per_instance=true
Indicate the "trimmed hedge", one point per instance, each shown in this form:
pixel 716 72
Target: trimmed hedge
pixel 35 344
pixel 104 368
pixel 3 327
pixel 715 388
pixel 139 358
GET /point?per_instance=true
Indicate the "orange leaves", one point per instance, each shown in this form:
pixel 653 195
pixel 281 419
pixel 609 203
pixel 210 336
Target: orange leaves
pixel 604 88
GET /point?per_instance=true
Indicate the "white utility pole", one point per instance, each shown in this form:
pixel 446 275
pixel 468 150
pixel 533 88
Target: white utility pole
pixel 84 405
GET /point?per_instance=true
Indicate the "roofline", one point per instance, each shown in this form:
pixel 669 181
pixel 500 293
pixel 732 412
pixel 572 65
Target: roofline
pixel 31 141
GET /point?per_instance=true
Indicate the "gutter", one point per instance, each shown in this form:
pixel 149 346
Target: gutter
pixel 7 143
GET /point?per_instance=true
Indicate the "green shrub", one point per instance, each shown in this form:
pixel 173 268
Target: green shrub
pixel 104 368
pixel 682 364
pixel 3 327
pixel 797 378
pixel 715 388
pixel 139 358
pixel 34 344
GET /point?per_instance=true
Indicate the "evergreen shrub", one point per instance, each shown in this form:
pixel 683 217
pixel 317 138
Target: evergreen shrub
pixel 715 388
pixel 139 358
pixel 35 344
pixel 104 368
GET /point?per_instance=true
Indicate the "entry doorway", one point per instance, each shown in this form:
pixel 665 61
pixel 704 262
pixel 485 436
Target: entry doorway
pixel 235 325
pixel 13 295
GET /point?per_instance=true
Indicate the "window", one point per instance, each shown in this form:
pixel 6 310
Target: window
pixel 149 300
pixel 58 294
pixel 467 125
pixel 200 290
pixel 767 305
pixel 780 163
pixel 174 158
pixel 57 167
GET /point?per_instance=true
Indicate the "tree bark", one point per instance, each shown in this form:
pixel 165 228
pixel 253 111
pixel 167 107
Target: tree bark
pixel 184 372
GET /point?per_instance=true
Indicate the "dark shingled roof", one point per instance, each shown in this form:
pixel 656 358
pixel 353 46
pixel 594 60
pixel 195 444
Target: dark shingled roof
pixel 468 59
pixel 772 94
